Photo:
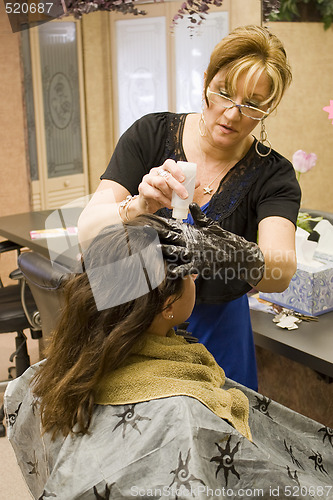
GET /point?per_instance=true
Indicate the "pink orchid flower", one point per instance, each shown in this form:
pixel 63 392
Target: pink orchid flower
pixel 303 162
pixel 329 110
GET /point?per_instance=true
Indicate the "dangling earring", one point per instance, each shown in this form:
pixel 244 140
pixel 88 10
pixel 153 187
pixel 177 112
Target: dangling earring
pixel 202 125
pixel 262 140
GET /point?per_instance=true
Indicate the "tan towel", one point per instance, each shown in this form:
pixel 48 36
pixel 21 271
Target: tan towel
pixel 160 367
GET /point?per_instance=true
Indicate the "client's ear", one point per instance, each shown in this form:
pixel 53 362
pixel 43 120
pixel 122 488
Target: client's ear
pixel 168 312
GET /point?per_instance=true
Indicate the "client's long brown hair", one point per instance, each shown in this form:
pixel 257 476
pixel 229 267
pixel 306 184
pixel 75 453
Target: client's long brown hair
pixel 88 343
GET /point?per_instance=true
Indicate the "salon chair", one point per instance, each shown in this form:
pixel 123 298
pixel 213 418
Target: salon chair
pixel 18 312
pixel 39 298
pixel 45 279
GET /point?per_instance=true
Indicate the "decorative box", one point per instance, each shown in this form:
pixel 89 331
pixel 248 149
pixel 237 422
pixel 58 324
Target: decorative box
pixel 310 290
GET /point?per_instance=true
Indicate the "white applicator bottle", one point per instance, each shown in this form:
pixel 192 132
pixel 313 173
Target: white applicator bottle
pixel 180 206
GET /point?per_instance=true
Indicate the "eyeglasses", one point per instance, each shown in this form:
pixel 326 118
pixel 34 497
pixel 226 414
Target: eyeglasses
pixel 227 103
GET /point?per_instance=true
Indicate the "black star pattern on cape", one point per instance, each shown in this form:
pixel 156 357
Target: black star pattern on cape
pixel 262 405
pixel 106 493
pixel 34 465
pixel 318 461
pixel 293 458
pixel 328 433
pixel 293 476
pixel 183 477
pixel 11 417
pixel 128 418
pixel 226 460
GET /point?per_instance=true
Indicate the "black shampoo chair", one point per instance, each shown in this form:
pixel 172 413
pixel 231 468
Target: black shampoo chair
pixel 45 280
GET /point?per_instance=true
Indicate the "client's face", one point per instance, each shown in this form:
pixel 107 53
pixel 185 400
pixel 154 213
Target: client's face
pixel 183 307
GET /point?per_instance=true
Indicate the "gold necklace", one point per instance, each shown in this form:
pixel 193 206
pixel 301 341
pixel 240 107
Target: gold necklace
pixel 207 189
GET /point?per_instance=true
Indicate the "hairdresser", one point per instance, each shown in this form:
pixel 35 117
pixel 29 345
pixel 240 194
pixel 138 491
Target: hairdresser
pixel 247 192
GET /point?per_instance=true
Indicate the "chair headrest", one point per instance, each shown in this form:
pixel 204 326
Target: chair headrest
pixel 40 271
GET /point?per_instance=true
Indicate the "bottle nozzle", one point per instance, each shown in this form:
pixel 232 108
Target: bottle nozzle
pixel 180 213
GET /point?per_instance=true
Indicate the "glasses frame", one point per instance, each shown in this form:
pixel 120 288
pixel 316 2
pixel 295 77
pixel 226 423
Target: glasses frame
pixel 239 106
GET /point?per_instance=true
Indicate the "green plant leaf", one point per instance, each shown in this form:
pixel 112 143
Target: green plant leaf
pixel 289 11
pixel 327 21
pixel 304 221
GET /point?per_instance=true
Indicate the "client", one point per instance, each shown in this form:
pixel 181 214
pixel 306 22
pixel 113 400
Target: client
pixel 124 407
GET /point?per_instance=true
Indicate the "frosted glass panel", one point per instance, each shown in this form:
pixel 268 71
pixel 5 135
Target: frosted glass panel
pixel 192 58
pixel 141 63
pixel 59 66
pixel 29 105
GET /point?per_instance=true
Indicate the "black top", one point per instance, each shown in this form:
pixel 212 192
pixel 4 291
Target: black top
pixel 255 188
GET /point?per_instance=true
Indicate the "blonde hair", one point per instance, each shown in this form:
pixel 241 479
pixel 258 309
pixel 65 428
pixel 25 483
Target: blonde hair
pixel 251 49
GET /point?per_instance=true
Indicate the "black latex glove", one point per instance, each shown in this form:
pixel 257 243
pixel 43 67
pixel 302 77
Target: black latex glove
pixel 208 249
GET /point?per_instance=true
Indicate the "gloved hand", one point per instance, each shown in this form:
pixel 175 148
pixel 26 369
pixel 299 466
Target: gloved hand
pixel 208 249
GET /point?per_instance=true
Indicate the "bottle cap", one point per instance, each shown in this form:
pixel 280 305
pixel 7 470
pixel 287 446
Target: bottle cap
pixel 180 213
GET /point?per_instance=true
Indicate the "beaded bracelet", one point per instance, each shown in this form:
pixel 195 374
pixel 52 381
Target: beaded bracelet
pixel 125 204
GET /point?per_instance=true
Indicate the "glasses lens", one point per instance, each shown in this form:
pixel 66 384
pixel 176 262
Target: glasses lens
pixel 220 100
pixel 226 102
pixel 252 112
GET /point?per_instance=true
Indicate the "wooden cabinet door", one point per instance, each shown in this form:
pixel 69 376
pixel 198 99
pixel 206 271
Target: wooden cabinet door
pixel 59 172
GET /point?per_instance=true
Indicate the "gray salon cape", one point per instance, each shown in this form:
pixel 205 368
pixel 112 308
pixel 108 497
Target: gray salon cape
pixel 172 448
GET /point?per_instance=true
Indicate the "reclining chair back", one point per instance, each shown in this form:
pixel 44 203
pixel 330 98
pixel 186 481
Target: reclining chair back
pixel 45 280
